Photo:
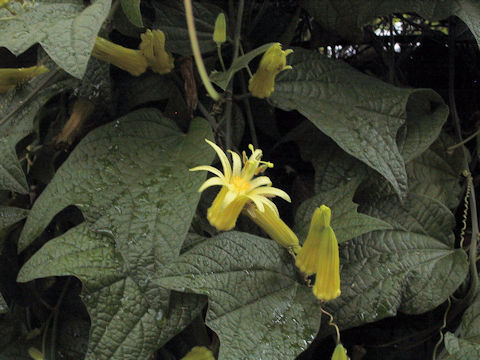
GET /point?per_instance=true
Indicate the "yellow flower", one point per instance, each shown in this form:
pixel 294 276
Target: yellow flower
pixel 308 257
pixel 320 255
pixel 327 281
pixel 340 353
pixel 10 78
pixel 126 59
pixel 152 48
pixel 199 353
pixel 220 31
pixel 273 62
pixel 271 223
pixel 239 187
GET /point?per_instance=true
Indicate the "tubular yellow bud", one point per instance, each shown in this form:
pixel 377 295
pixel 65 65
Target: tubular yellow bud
pixel 126 59
pixel 308 257
pixel 10 78
pixel 152 48
pixel 199 353
pixel 273 62
pixel 35 354
pixel 271 223
pixel 327 281
pixel 220 32
pixel 340 353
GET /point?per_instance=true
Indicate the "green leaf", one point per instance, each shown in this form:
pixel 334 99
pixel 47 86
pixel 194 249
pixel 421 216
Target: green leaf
pixel 170 18
pixel 17 111
pixel 222 78
pixel 256 306
pixel 64 28
pixel 130 178
pixel 10 215
pixel 411 268
pixel 436 173
pixel 360 113
pixel 131 8
pixel 461 349
pixel 467 344
pixel 347 17
pixel 346 221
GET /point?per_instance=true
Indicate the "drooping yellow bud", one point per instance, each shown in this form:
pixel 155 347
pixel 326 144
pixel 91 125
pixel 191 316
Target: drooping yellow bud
pixel 308 257
pixel 126 59
pixel 152 48
pixel 274 61
pixel 327 281
pixel 340 353
pixel 10 78
pixel 35 354
pixel 271 223
pixel 220 31
pixel 199 353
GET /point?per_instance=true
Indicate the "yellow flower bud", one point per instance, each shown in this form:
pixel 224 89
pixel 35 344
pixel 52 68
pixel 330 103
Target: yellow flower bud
pixel 35 354
pixel 271 223
pixel 126 59
pixel 220 32
pixel 152 48
pixel 340 353
pixel 199 353
pixel 327 281
pixel 10 78
pixel 274 61
pixel 308 257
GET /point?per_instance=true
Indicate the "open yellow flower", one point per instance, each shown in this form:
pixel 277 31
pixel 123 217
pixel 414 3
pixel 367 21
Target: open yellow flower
pixel 274 61
pixel 152 48
pixel 239 187
pixel 9 78
pixel 199 353
pixel 271 223
pixel 126 59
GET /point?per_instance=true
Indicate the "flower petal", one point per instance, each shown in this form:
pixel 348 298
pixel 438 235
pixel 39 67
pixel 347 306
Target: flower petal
pixel 237 163
pixel 213 181
pixel 260 181
pixel 227 169
pixel 270 191
pixel 209 168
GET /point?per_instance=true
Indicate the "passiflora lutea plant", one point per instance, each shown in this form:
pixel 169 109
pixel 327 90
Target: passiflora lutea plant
pixel 116 244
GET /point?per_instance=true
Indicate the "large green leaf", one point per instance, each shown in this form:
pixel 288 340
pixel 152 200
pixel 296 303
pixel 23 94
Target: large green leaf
pixel 360 113
pixel 347 17
pixel 170 18
pixel 346 221
pixel 130 178
pixel 467 344
pixel 18 108
pixel 10 215
pixel 256 306
pixel 411 268
pixel 65 29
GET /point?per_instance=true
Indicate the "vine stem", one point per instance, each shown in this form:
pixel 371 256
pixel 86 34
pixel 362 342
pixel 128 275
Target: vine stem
pixel 444 325
pixel 473 204
pixel 236 47
pixel 197 53
pixel 331 323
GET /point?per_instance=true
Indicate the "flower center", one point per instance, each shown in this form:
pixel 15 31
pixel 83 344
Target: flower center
pixel 240 184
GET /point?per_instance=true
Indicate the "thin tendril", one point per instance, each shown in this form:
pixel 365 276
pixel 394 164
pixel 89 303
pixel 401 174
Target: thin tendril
pixel 434 356
pixel 331 323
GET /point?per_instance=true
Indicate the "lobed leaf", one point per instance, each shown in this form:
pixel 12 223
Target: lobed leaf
pixel 65 29
pixel 256 306
pixel 361 114
pixel 130 178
